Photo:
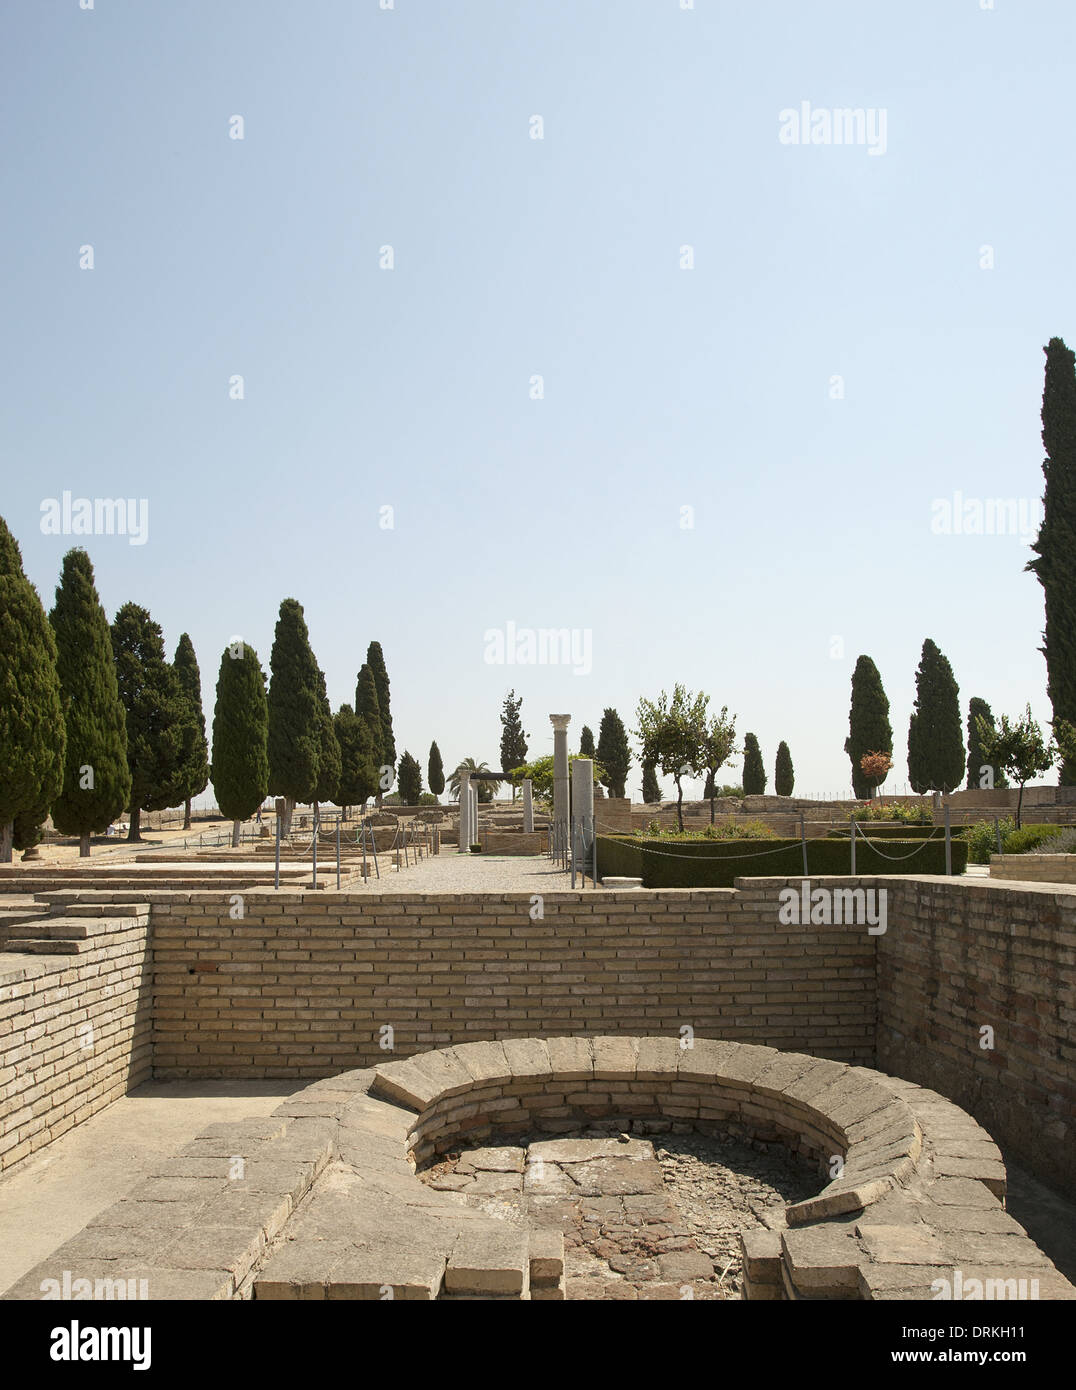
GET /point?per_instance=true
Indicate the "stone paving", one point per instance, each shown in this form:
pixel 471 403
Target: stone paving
pixel 452 872
pixel 638 1222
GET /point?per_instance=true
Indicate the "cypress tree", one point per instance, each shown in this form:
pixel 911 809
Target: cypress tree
pixel 194 758
pixel 358 763
pixel 784 775
pixel 754 771
pixel 96 781
pixel 375 659
pixel 32 734
pixel 586 742
pixel 869 729
pixel 1055 548
pixel 977 759
pixel 513 736
pixel 240 770
pixel 149 690
pixel 295 712
pixel 651 786
pixel 614 753
pixel 935 731
pixel 409 780
pixel 329 761
pixel 368 708
pixel 435 771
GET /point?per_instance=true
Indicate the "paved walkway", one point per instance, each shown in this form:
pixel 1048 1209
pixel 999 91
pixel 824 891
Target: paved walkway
pixel 452 872
pixel 52 1195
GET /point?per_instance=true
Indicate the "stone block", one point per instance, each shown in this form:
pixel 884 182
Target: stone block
pixel 488 1259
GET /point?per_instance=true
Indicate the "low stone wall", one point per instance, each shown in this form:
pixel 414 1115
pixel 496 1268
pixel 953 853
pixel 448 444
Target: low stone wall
pixel 75 1002
pixel 513 841
pixel 304 984
pixel 321 1200
pixel 1034 868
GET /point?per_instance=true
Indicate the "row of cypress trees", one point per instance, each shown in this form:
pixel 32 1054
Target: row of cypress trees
pixel 937 758
pixel 93 719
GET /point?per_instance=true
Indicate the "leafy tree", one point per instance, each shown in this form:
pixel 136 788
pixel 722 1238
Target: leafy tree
pixel 328 785
pixel 754 771
pixel 875 767
pixel 295 712
pixel 869 730
pixel 1019 747
pixel 240 769
pixel 32 734
pixel 149 689
pixel 936 759
pixel 1055 547
pixel 358 761
pixel 784 775
pixel 194 754
pixel 586 742
pixel 375 659
pixel 96 779
pixel 542 772
pixel 672 735
pixel 614 753
pixel 718 745
pixel 513 735
pixel 409 778
pixel 977 765
pixel 651 786
pixel 435 771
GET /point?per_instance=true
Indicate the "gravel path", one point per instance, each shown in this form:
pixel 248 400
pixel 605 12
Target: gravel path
pixel 452 872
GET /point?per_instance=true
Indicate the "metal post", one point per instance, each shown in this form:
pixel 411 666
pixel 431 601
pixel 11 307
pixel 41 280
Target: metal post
pixel 593 854
pixel 997 833
pixel 276 878
pixel 853 828
pixel 315 849
pixel 948 847
pixel 573 853
pixel 338 855
pixel 362 826
pixel 803 839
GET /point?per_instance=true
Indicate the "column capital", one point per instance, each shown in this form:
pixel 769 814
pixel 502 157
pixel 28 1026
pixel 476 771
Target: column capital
pixel 560 721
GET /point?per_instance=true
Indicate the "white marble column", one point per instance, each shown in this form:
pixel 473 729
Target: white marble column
pixel 583 791
pixel 528 806
pixel 465 813
pixel 560 724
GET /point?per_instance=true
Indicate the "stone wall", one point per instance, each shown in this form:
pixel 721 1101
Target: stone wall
pixel 963 956
pixel 74 1023
pixel 1034 868
pixel 303 984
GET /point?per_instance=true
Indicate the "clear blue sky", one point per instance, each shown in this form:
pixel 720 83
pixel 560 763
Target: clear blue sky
pixel 664 388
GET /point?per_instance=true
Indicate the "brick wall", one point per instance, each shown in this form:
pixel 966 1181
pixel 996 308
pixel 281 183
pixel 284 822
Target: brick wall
pixel 962 956
pixel 302 984
pixel 54 1072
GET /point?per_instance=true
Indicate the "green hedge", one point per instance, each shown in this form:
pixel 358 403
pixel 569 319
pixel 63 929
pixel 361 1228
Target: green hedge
pixel 717 863
pixel 876 830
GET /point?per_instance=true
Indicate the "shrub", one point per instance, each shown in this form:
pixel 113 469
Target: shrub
pixel 1065 843
pixel 1029 838
pixel 982 839
pixel 896 810
pixel 879 830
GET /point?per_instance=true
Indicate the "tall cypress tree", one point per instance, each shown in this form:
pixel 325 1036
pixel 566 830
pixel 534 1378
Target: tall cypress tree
pixel 614 753
pixel 410 780
pixel 96 781
pixel 328 786
pixel 149 690
pixel 586 742
pixel 375 659
pixel 754 770
pixel 1055 548
pixel 240 770
pixel 32 733
pixel 651 786
pixel 869 729
pixel 358 758
pixel 513 735
pixel 435 771
pixel 194 757
pixel 977 759
pixel 367 707
pixel 935 731
pixel 295 712
pixel 784 775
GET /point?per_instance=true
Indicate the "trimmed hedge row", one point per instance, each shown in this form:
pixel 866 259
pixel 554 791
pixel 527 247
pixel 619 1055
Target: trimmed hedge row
pixel 717 863
pixel 881 831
